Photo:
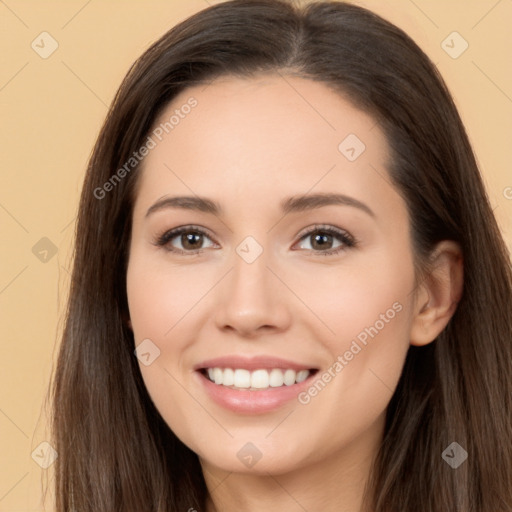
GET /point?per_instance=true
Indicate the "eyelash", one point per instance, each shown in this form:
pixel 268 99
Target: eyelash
pixel 347 240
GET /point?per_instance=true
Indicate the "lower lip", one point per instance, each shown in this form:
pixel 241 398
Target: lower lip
pixel 252 402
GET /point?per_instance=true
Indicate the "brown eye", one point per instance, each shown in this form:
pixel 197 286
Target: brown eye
pixel 323 240
pixel 190 239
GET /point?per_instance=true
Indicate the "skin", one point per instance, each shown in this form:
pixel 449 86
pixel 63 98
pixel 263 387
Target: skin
pixel 249 144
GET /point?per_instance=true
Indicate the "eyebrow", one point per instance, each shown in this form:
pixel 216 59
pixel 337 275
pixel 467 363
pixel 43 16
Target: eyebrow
pixel 289 205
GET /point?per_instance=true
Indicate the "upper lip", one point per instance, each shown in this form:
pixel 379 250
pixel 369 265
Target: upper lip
pixel 252 363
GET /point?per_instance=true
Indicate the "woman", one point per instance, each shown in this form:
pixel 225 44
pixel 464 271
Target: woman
pixel 218 353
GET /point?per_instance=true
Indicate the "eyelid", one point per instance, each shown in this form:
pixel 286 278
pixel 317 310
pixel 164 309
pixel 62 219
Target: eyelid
pixel 325 228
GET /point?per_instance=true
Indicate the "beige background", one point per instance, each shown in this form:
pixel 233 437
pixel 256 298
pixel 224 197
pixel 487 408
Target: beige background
pixel 51 111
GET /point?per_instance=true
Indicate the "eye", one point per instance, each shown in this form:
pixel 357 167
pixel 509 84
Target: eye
pixel 191 239
pixel 322 240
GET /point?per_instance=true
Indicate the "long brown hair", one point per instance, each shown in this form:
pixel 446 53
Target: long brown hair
pixel 115 451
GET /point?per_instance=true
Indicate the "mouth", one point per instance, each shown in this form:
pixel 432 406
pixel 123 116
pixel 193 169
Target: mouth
pixel 256 380
pixel 253 385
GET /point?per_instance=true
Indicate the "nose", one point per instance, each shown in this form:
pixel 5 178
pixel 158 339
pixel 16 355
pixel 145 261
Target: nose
pixel 252 300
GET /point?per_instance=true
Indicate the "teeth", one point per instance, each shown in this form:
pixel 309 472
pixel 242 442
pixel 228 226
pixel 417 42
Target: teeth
pixel 217 375
pixel 289 377
pixel 258 379
pixel 302 375
pixel 276 378
pixel 242 378
pixel 228 378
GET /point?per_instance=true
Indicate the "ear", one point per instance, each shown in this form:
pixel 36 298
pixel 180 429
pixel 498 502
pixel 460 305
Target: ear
pixel 127 320
pixel 439 294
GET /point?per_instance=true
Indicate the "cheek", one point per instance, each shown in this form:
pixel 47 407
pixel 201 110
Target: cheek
pixel 368 310
pixel 161 297
pixel 367 298
pixel 355 390
pixel 160 303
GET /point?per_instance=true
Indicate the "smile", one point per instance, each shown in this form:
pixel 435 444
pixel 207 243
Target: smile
pixel 240 378
pixel 253 384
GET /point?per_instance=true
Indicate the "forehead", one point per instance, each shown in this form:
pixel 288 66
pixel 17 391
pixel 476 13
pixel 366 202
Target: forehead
pixel 275 109
pixel 255 137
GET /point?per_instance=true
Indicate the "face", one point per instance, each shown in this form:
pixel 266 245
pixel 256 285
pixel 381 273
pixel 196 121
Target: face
pixel 274 305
